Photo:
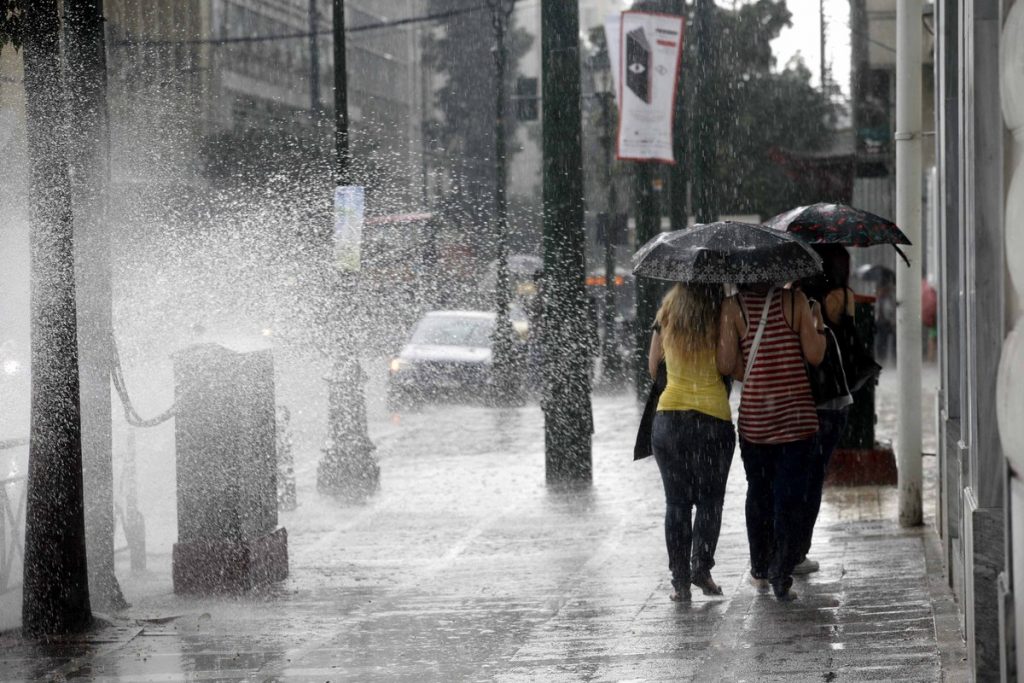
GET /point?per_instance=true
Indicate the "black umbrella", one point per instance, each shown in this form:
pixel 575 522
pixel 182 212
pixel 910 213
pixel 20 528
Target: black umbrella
pixel 824 223
pixel 726 251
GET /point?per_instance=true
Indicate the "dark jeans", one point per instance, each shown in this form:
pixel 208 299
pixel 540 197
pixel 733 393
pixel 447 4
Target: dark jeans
pixel 831 425
pixel 694 452
pixel 776 490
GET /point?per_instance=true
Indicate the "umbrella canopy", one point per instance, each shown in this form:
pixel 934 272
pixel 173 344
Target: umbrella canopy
pixel 726 251
pixel 837 224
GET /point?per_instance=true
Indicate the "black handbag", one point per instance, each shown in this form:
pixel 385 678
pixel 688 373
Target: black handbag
pixel 642 448
pixel 858 361
pixel 828 378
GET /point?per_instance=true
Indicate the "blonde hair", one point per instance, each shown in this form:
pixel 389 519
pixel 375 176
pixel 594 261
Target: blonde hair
pixel 688 317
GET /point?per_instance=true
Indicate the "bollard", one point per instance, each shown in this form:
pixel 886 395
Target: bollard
pixel 225 434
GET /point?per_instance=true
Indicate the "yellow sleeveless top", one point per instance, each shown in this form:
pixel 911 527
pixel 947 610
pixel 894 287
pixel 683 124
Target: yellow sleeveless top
pixel 694 384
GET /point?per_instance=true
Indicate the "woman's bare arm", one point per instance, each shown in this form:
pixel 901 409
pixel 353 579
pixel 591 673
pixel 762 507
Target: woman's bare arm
pixel 654 355
pixel 810 325
pixel 728 355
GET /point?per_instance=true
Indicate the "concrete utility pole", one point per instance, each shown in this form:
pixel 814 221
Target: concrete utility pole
pixel 908 280
pixel 568 420
pixel 85 58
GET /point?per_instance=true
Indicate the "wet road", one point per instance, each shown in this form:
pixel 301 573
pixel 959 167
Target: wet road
pixel 465 566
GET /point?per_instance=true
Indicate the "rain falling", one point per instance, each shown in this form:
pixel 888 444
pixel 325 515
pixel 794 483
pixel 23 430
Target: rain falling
pixel 327 328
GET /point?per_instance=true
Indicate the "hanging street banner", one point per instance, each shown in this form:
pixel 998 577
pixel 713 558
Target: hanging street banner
pixel 349 207
pixel 645 50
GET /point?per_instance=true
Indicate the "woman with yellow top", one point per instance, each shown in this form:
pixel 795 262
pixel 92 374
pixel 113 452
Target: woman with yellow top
pixel 693 438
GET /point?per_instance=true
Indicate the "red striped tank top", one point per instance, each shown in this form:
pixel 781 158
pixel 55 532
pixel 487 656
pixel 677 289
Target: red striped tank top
pixel 776 405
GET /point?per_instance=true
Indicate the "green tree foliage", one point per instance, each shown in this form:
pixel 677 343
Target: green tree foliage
pixel 462 136
pixel 758 110
pixel 11 20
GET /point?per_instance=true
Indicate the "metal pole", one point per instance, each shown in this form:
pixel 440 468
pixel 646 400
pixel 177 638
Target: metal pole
pixel 678 175
pixel 908 280
pixel 705 197
pixel 343 161
pixel 648 224
pixel 610 370
pixel 504 365
pixel 821 43
pixel 348 468
pixel 314 59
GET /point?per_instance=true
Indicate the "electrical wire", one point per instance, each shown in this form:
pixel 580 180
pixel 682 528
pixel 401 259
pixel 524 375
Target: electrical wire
pixel 225 40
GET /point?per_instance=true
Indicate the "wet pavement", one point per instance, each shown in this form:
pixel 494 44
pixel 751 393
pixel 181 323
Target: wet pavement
pixel 465 566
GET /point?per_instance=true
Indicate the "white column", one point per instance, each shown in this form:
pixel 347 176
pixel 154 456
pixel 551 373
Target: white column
pixel 1010 382
pixel 908 280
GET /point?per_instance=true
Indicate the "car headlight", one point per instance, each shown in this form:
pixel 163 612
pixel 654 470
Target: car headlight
pixel 396 365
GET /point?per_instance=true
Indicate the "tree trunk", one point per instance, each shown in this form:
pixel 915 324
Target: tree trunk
pixel 568 419
pixel 86 73
pixel 56 584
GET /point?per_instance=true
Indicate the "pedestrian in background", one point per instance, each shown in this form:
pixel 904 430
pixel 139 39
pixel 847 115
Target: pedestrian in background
pixel 885 321
pixel 829 383
pixel 693 437
pixel 767 334
pixel 929 320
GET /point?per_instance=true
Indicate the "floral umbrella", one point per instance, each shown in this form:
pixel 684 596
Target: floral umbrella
pixel 824 223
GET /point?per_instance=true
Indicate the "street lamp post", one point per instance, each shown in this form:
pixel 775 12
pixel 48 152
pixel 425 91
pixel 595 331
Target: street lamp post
pixel 504 356
pixel 611 370
pixel 348 467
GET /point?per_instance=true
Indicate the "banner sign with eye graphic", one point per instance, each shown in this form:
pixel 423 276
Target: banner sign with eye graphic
pixel 645 49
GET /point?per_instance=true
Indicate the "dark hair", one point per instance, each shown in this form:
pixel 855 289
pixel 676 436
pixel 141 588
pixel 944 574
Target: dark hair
pixel 835 264
pixel 835 271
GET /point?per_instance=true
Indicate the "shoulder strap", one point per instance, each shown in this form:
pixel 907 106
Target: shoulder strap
pixel 760 332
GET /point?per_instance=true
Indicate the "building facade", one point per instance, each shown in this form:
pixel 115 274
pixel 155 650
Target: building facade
pixel 219 74
pixel 979 124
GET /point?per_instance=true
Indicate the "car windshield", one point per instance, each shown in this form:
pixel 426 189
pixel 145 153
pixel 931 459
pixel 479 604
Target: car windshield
pixel 450 330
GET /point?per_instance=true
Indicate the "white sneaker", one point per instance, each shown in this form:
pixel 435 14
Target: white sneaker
pixel 761 585
pixel 806 566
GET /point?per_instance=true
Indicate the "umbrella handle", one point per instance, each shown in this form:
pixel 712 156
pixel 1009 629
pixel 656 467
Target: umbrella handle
pixel 902 255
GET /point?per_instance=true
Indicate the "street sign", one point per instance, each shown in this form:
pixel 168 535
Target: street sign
pixel 645 49
pixel 349 209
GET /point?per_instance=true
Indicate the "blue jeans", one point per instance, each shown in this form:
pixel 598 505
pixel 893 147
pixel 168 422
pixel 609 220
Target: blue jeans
pixel 694 453
pixel 776 491
pixel 831 426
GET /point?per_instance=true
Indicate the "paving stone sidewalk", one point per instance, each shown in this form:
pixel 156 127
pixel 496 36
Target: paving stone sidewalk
pixel 466 567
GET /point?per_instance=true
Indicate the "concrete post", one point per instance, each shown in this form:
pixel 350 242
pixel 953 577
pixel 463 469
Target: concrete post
pixel 908 280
